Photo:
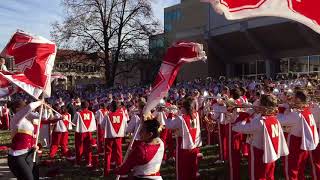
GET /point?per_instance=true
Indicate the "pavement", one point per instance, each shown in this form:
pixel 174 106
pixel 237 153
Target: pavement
pixel 5 173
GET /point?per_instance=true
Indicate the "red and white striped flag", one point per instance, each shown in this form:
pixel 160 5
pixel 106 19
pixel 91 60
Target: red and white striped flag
pixel 176 56
pixel 34 58
pixel 303 11
pixel 6 87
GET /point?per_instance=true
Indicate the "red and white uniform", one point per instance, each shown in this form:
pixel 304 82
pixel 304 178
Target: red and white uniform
pixel 23 140
pixel 126 114
pixel 133 128
pixel 263 154
pixel 115 127
pixel 244 99
pixel 223 119
pixel 145 161
pixel 315 154
pixel 283 110
pixel 166 134
pixel 303 137
pixel 85 124
pixel 4 115
pixel 45 130
pixel 205 110
pixel 189 141
pixel 60 135
pixel 236 141
pixel 100 114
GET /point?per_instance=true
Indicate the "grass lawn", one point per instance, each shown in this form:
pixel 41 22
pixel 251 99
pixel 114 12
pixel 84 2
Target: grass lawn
pixel 64 169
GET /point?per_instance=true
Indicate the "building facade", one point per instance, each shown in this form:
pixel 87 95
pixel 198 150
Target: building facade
pixel 244 48
pixel 87 70
pixel 187 21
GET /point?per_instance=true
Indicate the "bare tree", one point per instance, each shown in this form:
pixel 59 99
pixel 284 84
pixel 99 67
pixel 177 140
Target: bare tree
pixel 108 27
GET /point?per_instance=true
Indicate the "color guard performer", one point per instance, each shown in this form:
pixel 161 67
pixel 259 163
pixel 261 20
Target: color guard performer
pixel 145 159
pixel 20 158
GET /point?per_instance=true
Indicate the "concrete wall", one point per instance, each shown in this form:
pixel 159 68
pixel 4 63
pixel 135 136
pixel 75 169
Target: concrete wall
pixel 219 25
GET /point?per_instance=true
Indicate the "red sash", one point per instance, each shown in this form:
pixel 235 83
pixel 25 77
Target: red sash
pixel 243 116
pixel 104 111
pixel 86 117
pixel 192 130
pixel 306 113
pixel 272 126
pixel 66 118
pixel 22 141
pixel 116 119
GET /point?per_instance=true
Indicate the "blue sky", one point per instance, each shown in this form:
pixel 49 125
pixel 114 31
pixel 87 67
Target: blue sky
pixel 36 16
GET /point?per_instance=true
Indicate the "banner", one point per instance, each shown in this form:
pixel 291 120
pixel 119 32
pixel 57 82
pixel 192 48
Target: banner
pixel 176 56
pixel 303 11
pixel 34 59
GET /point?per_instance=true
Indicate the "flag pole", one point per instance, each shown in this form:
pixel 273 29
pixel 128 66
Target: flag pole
pixel 1 74
pixel 45 104
pixel 38 130
pixel 130 145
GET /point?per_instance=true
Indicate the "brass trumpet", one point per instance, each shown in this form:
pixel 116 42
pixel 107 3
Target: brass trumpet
pixel 209 123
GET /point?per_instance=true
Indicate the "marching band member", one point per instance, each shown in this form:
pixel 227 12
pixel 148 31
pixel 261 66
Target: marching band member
pixel 188 126
pixel 45 127
pixel 145 159
pixel 267 140
pixel 135 121
pixel 22 146
pixel 115 124
pixel 243 97
pixel 219 114
pixel 303 136
pixel 85 124
pixel 100 114
pixel 235 139
pixel 60 134
pixel 4 116
pixel 315 154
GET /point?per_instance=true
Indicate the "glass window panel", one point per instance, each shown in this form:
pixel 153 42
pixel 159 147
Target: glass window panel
pixel 252 68
pixel 168 27
pixel 299 64
pixel 178 15
pixel 246 69
pixel 314 63
pixel 261 67
pixel 284 66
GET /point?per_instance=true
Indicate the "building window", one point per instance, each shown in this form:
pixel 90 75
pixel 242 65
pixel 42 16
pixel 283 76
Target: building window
pixel 302 65
pixel 167 28
pixel 261 67
pixel 172 15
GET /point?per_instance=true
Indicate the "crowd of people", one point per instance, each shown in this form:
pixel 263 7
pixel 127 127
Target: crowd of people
pixel 259 120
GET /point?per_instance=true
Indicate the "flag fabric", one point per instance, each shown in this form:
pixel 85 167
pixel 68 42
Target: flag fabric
pixel 303 11
pixel 57 76
pixel 34 59
pixel 6 87
pixel 178 54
